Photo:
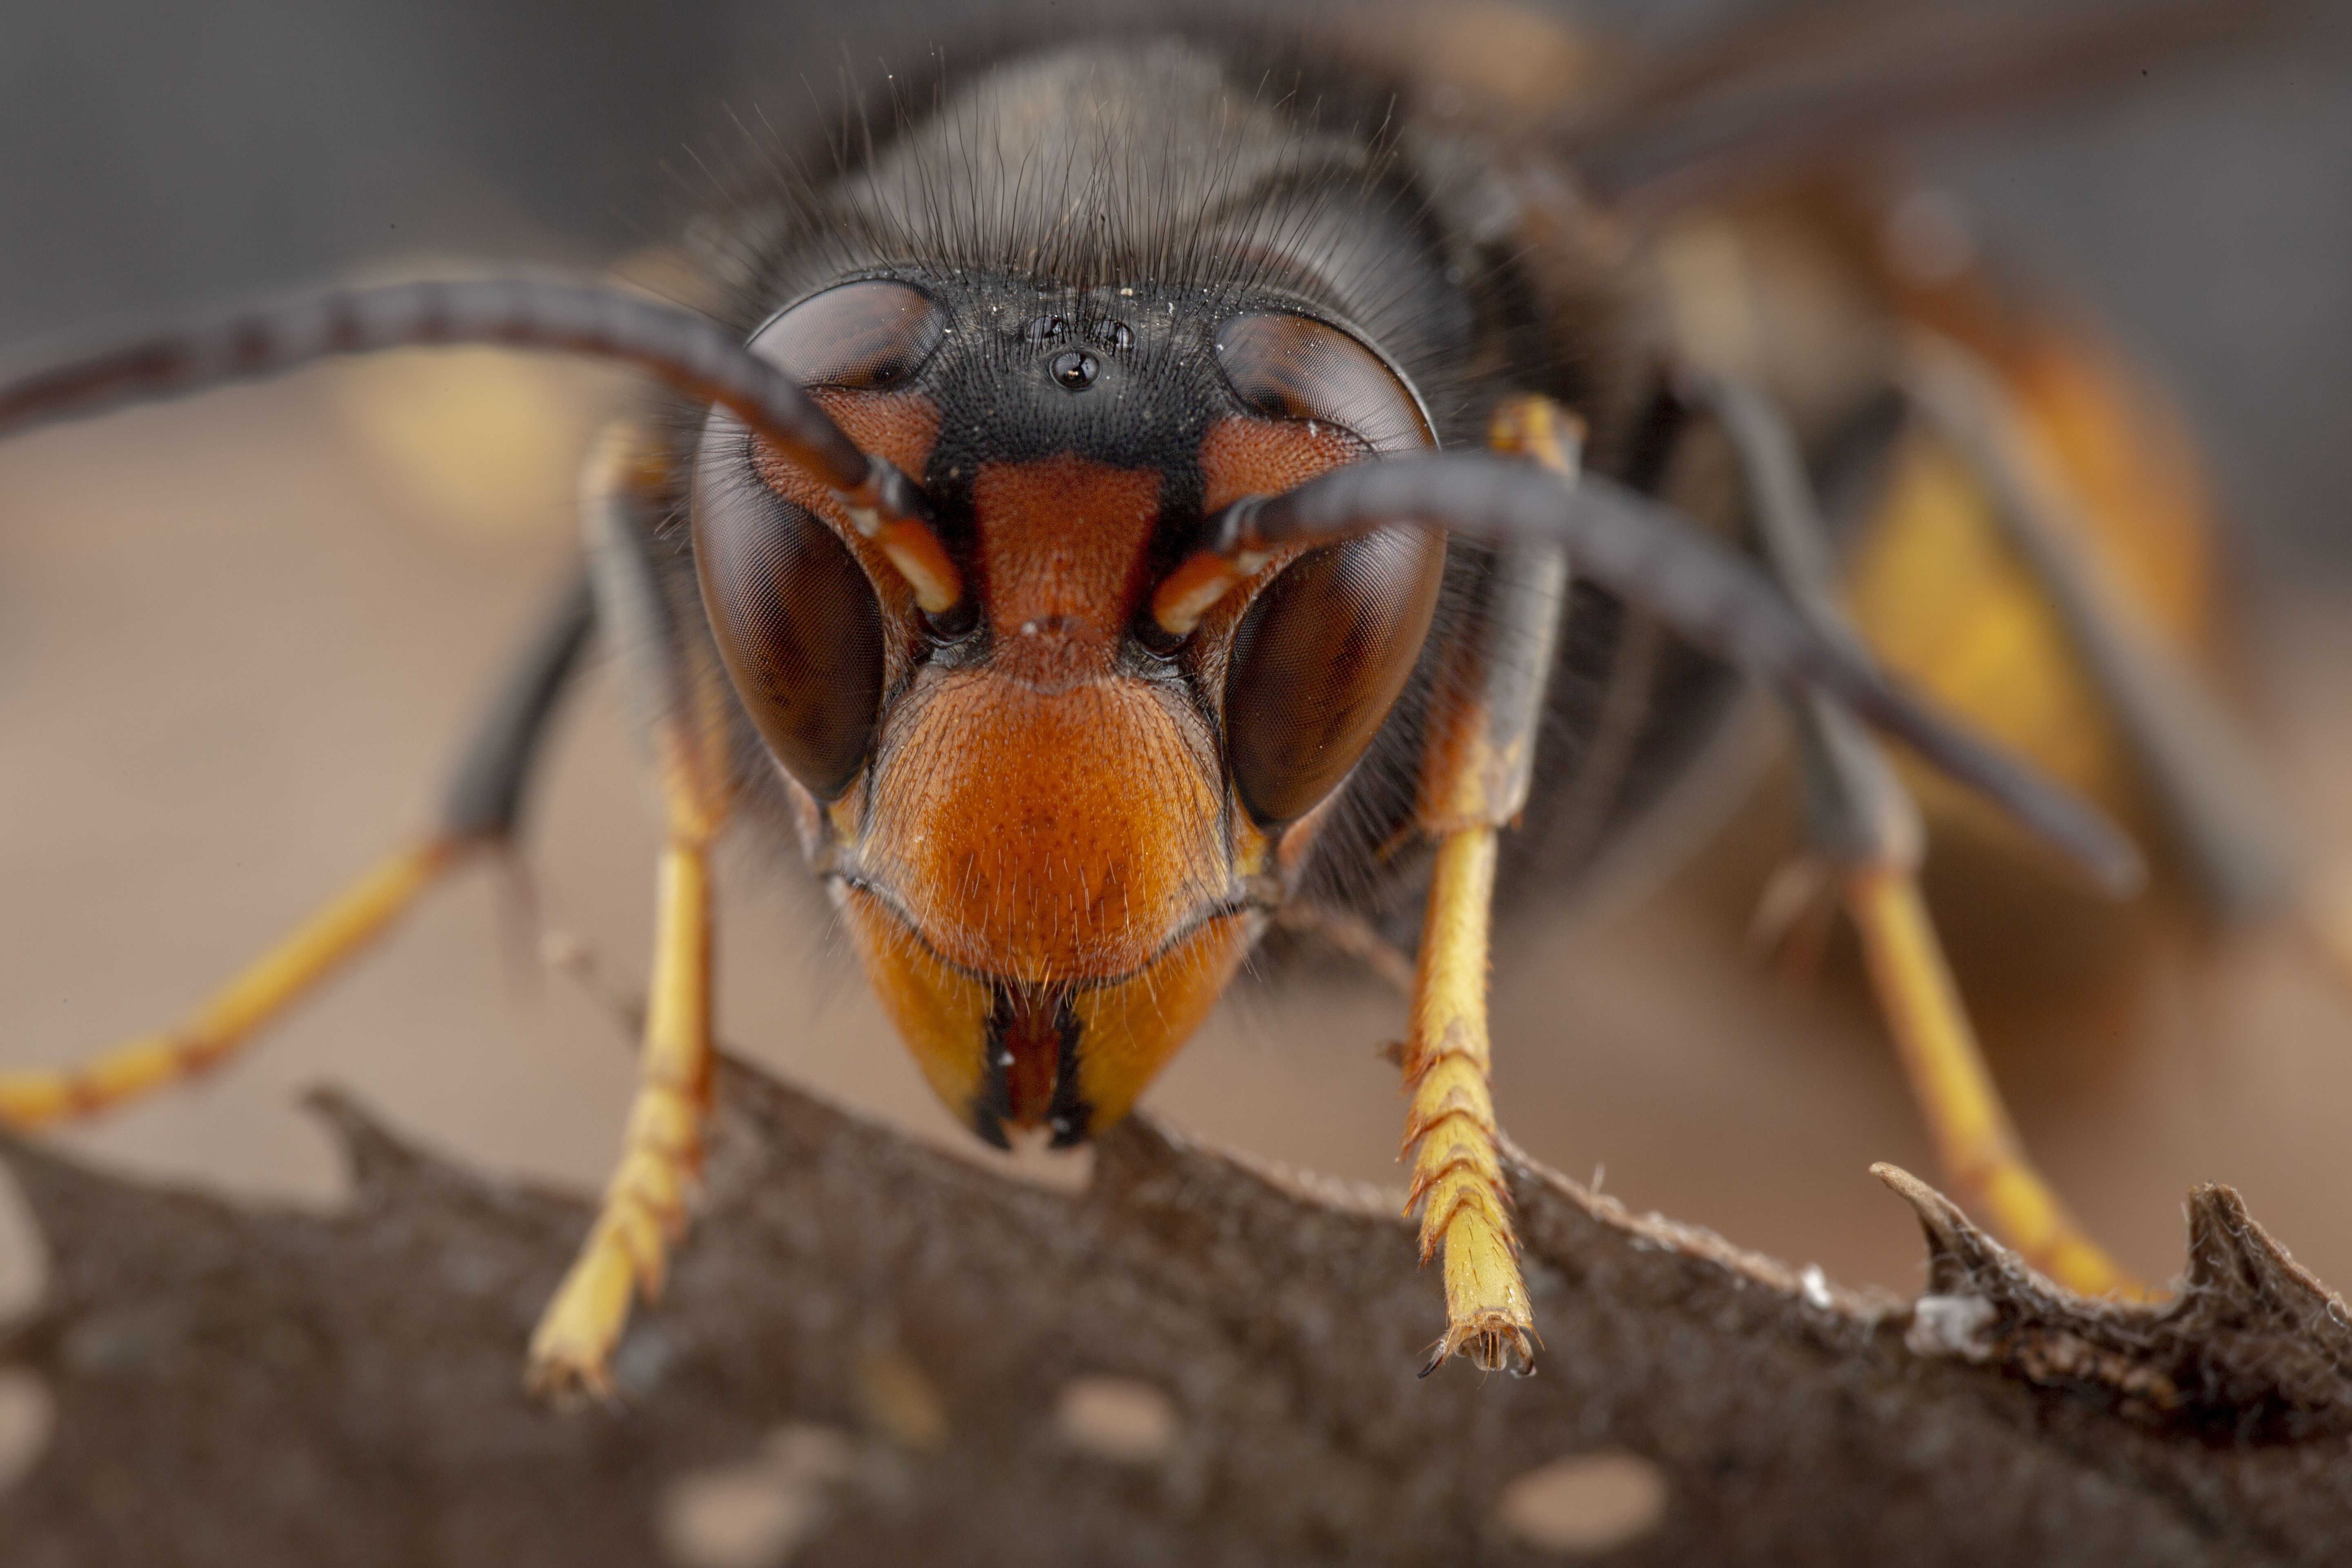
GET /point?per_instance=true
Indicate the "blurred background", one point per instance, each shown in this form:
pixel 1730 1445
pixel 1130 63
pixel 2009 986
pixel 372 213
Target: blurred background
pixel 240 637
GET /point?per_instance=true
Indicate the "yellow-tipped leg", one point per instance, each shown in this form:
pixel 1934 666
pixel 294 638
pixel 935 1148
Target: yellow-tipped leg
pixel 1457 1176
pixel 644 1207
pixel 231 1017
pixel 1480 751
pixel 671 677
pixel 1866 838
pixel 1980 1149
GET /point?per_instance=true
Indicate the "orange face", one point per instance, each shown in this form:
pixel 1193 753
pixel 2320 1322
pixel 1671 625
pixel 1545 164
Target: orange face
pixel 1040 856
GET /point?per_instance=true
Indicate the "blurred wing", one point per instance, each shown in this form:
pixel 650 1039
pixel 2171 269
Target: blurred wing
pixel 1798 82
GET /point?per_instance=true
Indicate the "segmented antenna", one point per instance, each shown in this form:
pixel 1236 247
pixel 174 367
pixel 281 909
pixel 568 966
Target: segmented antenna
pixel 1652 557
pixel 692 353
pixel 686 350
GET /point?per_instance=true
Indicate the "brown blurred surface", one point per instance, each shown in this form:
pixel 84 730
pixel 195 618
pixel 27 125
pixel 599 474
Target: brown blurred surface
pixel 911 1323
pixel 236 646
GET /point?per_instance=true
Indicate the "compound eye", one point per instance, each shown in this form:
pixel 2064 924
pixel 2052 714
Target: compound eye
pixel 796 621
pixel 1295 367
pixel 1319 661
pixel 868 336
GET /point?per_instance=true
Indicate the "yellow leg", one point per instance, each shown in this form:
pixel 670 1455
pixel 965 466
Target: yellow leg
pixel 1475 779
pixel 1457 1176
pixel 1980 1150
pixel 231 1017
pixel 643 1207
pixel 1867 841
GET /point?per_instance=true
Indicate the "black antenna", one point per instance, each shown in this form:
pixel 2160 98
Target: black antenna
pixel 1651 556
pixel 690 352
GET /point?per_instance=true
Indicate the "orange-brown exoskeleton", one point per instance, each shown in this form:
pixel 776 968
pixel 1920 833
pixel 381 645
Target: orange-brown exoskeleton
pixel 1167 483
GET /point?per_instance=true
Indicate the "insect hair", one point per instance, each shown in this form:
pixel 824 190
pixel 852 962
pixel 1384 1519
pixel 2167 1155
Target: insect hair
pixel 1201 159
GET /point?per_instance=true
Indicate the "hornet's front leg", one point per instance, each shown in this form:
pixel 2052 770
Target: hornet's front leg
pixel 1475 777
pixel 674 688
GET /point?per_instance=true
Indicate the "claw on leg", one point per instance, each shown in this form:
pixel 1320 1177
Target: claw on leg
pixel 1487 1316
pixel 644 1209
pixel 1476 769
pixel 1457 1175
pixel 673 681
